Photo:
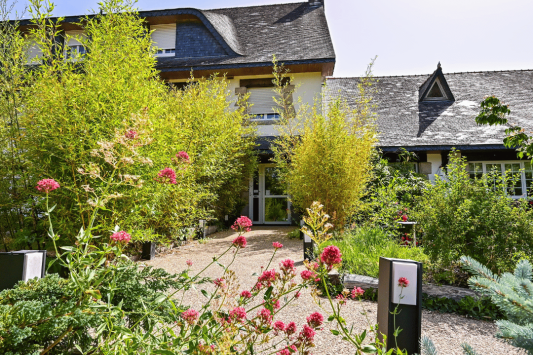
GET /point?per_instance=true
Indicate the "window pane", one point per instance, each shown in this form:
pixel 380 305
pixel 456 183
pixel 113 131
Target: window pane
pixel 475 170
pixel 273 185
pixel 276 209
pixel 515 179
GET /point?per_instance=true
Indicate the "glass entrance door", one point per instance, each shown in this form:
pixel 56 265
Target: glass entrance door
pixel 268 203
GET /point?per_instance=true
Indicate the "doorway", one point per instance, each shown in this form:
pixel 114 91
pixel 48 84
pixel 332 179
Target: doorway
pixel 268 203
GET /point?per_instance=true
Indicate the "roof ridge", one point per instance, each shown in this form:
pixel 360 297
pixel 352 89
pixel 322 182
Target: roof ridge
pixel 249 7
pixel 416 75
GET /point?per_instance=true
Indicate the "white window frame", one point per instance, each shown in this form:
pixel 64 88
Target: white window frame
pixel 168 50
pixel 72 47
pixel 502 163
pixel 443 98
pixel 263 116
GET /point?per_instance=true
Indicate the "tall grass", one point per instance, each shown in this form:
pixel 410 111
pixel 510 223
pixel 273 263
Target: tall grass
pixel 361 249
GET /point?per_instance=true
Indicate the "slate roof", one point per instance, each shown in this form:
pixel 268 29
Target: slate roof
pixel 296 33
pixel 403 121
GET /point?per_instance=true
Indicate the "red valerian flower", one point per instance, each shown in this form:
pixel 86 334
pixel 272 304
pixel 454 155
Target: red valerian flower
pixel 279 326
pixel 297 295
pixel 47 185
pixel 183 157
pixel 167 176
pixel 307 334
pixel 238 314
pixel 265 315
pixel 403 282
pixel 308 275
pixel 190 316
pixel 291 328
pixel 131 134
pixel 220 282
pixel 405 218
pixel 342 299
pixel 240 242
pixel 246 294
pixel 189 262
pixel 315 320
pixel 284 352
pixel 242 223
pixel 121 237
pixel 287 265
pixel 267 277
pixel 277 245
pixel 357 292
pixel 331 256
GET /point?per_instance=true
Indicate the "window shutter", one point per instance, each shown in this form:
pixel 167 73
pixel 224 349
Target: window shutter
pixel 262 100
pixel 75 35
pixel 164 36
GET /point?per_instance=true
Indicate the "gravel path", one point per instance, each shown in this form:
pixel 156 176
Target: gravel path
pixel 448 331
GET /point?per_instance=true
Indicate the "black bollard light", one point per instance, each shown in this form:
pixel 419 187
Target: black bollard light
pixel 400 303
pixel 21 265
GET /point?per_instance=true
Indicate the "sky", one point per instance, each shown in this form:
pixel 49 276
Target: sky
pixel 407 36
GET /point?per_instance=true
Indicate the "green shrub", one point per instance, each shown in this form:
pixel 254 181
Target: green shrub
pixel 474 217
pixel 361 249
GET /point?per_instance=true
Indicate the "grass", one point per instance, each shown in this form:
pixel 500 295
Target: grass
pixel 361 249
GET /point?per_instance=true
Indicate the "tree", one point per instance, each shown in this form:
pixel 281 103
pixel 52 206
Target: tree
pixel 495 112
pixel 78 108
pixel 325 155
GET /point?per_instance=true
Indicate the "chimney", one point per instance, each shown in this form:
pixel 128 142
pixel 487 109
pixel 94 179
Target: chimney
pixel 316 3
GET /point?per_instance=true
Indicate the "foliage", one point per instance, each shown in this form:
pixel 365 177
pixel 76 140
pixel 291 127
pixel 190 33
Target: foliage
pixel 473 217
pixel 478 308
pixel 316 224
pixel 428 348
pixel 71 113
pixel 494 112
pixel 391 190
pixel 324 155
pixel 361 249
pixel 512 293
pixel 19 222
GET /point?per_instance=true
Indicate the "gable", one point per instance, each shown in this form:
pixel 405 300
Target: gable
pixel 435 88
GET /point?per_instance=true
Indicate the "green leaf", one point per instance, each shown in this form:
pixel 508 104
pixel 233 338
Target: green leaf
pixel 334 332
pixel 369 349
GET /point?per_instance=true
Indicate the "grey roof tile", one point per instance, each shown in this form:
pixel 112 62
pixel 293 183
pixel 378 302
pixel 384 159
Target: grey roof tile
pixel 404 121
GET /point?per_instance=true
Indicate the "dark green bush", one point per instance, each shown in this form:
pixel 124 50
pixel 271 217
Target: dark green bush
pixel 474 217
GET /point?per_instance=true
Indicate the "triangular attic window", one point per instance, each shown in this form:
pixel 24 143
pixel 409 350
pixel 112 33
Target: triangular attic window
pixel 436 92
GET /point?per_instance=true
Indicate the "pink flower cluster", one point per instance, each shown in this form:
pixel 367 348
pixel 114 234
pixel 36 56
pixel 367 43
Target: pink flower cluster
pixel 265 316
pixel 183 157
pixel 131 134
pixel 357 292
pixel 121 237
pixel 167 176
pixel 287 266
pixel 315 320
pixel 246 294
pixel 47 185
pixel 307 335
pixel 403 282
pixel 266 278
pixel 277 245
pixel 242 223
pixel 238 314
pixel 331 256
pixel 288 350
pixel 308 275
pixel 220 282
pixel 190 316
pixel 240 242
pixel 189 263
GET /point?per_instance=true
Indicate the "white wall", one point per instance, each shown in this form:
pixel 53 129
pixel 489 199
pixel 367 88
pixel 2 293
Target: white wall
pixel 436 162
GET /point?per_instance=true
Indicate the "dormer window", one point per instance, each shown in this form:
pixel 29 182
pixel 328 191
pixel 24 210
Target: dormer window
pixel 74 49
pixel 164 38
pixel 436 92
pixel 435 88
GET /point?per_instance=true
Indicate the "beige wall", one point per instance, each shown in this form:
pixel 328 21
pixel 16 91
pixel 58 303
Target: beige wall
pixel 308 88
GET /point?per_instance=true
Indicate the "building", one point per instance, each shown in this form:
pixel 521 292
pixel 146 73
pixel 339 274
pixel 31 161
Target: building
pixel 239 43
pixel 432 114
